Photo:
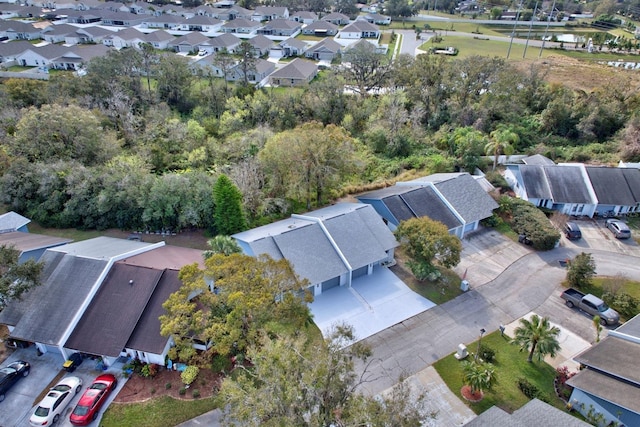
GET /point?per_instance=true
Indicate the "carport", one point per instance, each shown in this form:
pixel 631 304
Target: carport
pixel 373 303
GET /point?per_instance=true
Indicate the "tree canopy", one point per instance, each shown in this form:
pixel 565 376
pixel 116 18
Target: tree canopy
pixel 16 278
pixel 538 337
pixel 228 216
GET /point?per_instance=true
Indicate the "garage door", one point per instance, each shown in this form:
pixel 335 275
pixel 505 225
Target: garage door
pixel 359 272
pixel 330 283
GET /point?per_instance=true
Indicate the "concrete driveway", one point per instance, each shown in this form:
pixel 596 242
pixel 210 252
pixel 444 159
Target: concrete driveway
pixel 20 402
pixel 372 303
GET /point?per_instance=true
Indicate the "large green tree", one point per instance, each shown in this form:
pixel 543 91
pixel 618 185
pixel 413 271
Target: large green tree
pixel 428 242
pixel 581 270
pixel 367 69
pixel 297 383
pixel 309 162
pixel 251 295
pixel 538 337
pixel 228 216
pixel 16 278
pixel 502 141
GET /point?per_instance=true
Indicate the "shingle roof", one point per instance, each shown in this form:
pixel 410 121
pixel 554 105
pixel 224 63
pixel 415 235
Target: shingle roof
pixel 12 221
pixel 321 26
pixel 607 388
pixel 535 413
pixel 126 291
pixel 146 335
pixel 296 69
pixel 611 186
pixel 535 182
pixel 192 39
pixel 50 308
pixel 241 23
pixel 358 26
pixel 158 36
pixel 467 197
pixel 282 24
pixel 167 256
pixel 616 356
pixel 567 184
pixel 224 40
pixel 633 181
pixel 426 202
pixel 537 159
pixel 102 247
pixel 259 41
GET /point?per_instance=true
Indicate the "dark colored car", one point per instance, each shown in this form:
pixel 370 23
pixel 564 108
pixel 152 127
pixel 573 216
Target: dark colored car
pixel 10 374
pixel 618 228
pixel 92 400
pixel 73 362
pixel 572 231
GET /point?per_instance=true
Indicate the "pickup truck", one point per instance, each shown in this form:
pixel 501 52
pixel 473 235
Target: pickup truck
pixel 592 305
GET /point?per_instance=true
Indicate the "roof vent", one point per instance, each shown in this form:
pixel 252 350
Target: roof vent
pixel 131 282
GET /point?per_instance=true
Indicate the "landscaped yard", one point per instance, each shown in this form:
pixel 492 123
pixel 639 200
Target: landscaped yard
pixel 160 412
pixel 510 365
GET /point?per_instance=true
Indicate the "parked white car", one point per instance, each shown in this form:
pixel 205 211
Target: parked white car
pixel 54 403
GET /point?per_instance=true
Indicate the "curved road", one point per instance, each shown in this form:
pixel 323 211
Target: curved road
pixel 531 283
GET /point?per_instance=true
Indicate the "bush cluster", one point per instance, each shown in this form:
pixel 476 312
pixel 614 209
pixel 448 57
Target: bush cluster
pixel 626 305
pixel 487 354
pixel 190 374
pixel 531 390
pixel 526 219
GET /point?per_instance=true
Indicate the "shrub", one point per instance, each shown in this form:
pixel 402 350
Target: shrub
pixel 528 220
pixel 424 271
pixel 531 390
pixel 149 370
pixel 195 393
pixel 623 303
pixel 220 363
pixel 167 386
pixel 487 353
pixel 189 374
pixel 182 391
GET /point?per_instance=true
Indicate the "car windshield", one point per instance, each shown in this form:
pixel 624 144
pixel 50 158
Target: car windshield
pixel 81 410
pixel 6 371
pixel 603 307
pixel 41 411
pixel 98 386
pixel 61 388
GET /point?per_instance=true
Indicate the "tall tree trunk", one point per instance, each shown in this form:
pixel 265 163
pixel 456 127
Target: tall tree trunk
pixel 533 348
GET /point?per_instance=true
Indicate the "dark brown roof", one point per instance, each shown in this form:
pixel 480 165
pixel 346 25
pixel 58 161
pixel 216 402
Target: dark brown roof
pixel 108 322
pixel 25 242
pixel 146 336
pixel 171 257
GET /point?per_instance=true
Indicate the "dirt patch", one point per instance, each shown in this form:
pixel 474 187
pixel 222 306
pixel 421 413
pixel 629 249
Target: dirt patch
pixel 140 389
pixel 580 74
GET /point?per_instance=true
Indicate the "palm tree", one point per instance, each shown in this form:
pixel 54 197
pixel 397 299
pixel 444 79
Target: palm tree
pixel 538 336
pixel 502 140
pixel 221 245
pixel 479 376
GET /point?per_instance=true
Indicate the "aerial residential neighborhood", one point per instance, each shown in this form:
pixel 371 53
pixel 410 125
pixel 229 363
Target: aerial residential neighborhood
pixel 335 213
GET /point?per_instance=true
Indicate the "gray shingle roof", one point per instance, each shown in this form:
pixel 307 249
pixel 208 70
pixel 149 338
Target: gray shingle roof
pixel 633 180
pixel 616 356
pixel 492 417
pixel 51 307
pixel 100 331
pixel 611 186
pixel 11 221
pixel 534 414
pixel 607 388
pixel 535 182
pixel 467 197
pixel 296 69
pixel 537 159
pixel 25 242
pixel 425 202
pixel 567 184
pixel 146 335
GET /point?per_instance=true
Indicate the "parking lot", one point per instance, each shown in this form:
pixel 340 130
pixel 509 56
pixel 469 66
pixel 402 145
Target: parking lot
pixel 20 400
pixel 596 236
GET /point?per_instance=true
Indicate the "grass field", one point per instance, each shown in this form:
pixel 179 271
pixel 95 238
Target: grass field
pixel 510 364
pixel 471 46
pixel 160 412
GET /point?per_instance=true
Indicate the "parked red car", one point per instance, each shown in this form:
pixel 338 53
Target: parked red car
pixel 92 400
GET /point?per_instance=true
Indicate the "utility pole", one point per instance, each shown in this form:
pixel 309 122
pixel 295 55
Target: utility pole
pixel 544 38
pixel 526 45
pixel 515 24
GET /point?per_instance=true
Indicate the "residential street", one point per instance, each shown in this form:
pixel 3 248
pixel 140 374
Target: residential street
pixel 530 283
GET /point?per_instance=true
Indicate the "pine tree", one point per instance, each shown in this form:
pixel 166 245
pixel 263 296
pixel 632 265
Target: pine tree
pixel 228 216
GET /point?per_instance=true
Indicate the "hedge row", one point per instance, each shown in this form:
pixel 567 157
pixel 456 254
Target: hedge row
pixel 530 221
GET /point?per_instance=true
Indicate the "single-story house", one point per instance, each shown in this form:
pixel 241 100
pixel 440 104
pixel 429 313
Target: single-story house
pixel 191 42
pixel 10 51
pixel 609 383
pixel 84 283
pixel 360 30
pixel 325 50
pixel 83 16
pixel 165 22
pixel 31 246
pixel 202 23
pixel 235 12
pixel 320 28
pixel 375 18
pixel 159 39
pixel 241 26
pixel 260 45
pixel 77 56
pixel 122 19
pixel 260 70
pixel 128 37
pixel 18 30
pixel 88 35
pixel 574 188
pixel 328 247
pixel 336 18
pixel 289 47
pixel 12 221
pixel 298 72
pixel 304 17
pixel 455 199
pixel 269 13
pixel 281 27
pixel 58 33
pixel 227 42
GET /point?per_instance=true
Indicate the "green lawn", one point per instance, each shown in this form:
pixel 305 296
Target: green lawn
pixel 160 412
pixel 66 233
pixel 478 46
pixel 510 364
